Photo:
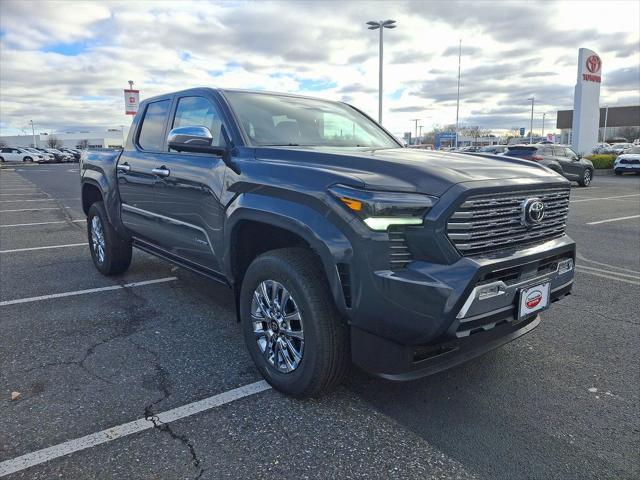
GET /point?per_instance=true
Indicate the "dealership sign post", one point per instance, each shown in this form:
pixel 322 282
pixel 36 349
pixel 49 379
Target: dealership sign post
pixel 586 102
pixel 131 101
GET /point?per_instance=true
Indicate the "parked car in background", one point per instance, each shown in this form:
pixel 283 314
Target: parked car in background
pixel 628 162
pixel 560 158
pixel 619 148
pixel 601 148
pixel 495 149
pixel 17 154
pixel 46 157
pixel 75 154
pixel 58 155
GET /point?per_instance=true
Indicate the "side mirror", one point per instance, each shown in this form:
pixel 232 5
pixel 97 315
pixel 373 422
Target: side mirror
pixel 194 138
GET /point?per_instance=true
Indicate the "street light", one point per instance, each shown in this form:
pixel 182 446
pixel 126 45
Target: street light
pixel 373 25
pixel 531 130
pixel 543 117
pixel 420 135
pixel 416 120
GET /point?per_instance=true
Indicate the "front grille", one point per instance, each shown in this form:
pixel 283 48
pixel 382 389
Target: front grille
pixel 489 222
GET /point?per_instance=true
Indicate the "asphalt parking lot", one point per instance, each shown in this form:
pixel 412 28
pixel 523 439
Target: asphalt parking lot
pixel 152 380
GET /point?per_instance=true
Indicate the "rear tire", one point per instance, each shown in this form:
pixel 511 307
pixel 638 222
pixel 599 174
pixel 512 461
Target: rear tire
pixel 587 176
pixel 617 172
pixel 110 252
pixel 27 159
pixel 322 340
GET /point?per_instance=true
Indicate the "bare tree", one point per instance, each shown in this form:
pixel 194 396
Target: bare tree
pixel 475 133
pixel 83 144
pixel 53 142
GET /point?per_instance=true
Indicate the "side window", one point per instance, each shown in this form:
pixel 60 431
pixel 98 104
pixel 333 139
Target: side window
pixel 6 150
pixel 198 111
pixel 152 129
pixel 558 152
pixel 570 153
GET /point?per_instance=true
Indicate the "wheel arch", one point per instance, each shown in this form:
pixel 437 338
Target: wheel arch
pixel 280 223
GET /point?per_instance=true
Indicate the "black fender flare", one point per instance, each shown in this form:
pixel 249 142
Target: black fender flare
pixel 326 240
pixel 110 198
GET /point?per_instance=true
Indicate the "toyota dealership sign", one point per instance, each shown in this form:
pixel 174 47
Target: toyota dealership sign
pixel 131 101
pixel 586 101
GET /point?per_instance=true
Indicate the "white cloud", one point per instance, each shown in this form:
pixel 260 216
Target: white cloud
pixel 65 63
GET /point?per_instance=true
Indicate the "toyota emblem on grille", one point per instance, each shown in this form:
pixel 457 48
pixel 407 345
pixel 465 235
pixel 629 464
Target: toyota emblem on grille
pixel 533 210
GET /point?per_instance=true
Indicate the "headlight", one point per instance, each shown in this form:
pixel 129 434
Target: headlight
pixel 380 209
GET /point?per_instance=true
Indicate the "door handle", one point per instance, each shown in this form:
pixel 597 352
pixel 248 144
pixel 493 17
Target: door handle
pixel 161 172
pixel 125 167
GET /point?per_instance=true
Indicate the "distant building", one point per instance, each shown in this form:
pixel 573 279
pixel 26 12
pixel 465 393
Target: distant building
pixel 110 138
pixel 617 119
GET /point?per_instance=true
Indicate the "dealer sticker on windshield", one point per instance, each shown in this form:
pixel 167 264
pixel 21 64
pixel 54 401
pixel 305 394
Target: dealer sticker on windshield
pixel 533 299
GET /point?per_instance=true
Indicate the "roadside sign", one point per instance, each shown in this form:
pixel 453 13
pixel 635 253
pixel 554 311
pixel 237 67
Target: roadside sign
pixel 522 131
pixel 131 101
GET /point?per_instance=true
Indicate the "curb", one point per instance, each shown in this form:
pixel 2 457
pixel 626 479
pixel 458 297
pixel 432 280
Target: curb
pixel 603 171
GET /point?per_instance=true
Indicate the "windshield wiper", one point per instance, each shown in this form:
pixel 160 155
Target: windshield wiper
pixel 281 145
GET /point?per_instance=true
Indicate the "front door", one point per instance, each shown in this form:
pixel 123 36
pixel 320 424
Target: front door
pixel 136 179
pixel 188 193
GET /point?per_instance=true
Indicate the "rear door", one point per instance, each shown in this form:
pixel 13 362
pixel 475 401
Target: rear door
pixel 10 154
pixel 188 195
pixel 136 179
pixel 565 156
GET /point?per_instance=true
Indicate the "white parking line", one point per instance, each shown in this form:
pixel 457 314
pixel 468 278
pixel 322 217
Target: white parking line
pixel 46 454
pixel 585 259
pixel 581 269
pixel 13 190
pixel 37 200
pixel 611 272
pixel 30 249
pixel 613 220
pixel 32 209
pixel 39 223
pixel 85 292
pixel 604 198
pixel 21 194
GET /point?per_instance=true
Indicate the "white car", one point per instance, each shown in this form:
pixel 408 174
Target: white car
pixel 619 148
pixel 628 162
pixel 46 157
pixel 601 148
pixel 13 154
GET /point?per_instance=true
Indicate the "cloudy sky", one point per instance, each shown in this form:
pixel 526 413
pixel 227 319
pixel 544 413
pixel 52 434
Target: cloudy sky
pixel 64 64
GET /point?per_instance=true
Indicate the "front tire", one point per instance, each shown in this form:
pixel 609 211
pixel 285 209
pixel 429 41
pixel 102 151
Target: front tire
pixel 587 176
pixel 618 172
pixel 110 252
pixel 27 159
pixel 291 326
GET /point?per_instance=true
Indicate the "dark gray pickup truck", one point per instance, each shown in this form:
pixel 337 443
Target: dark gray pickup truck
pixel 339 245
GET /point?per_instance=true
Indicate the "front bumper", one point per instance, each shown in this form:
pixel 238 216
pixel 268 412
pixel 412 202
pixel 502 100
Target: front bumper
pixel 429 317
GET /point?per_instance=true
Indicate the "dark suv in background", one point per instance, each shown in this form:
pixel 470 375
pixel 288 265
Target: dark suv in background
pixel 558 158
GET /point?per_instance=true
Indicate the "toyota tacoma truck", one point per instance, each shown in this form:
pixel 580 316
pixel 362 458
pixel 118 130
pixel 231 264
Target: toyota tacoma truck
pixel 340 246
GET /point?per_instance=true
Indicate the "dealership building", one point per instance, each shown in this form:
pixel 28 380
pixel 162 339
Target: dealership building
pixel 109 138
pixel 616 120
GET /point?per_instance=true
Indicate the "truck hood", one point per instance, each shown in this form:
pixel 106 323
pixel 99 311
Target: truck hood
pixel 404 169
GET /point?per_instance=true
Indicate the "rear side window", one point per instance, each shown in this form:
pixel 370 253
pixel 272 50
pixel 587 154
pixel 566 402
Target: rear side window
pixel 522 151
pixel 152 130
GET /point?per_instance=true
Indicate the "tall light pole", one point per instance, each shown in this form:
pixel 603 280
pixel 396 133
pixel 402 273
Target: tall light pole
pixel 531 130
pixel 604 132
pixel 373 25
pixel 458 101
pixel 543 117
pixel 420 136
pixel 416 120
pixel 33 132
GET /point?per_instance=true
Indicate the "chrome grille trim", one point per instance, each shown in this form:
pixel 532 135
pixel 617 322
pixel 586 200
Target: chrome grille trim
pixel 488 222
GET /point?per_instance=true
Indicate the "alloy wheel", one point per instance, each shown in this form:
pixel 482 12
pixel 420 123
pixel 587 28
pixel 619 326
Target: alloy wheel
pixel 97 239
pixel 277 326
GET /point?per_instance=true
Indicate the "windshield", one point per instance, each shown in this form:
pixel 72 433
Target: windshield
pixel 282 120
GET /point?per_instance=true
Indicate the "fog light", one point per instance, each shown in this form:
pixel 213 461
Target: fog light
pixel 488 291
pixel 565 266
